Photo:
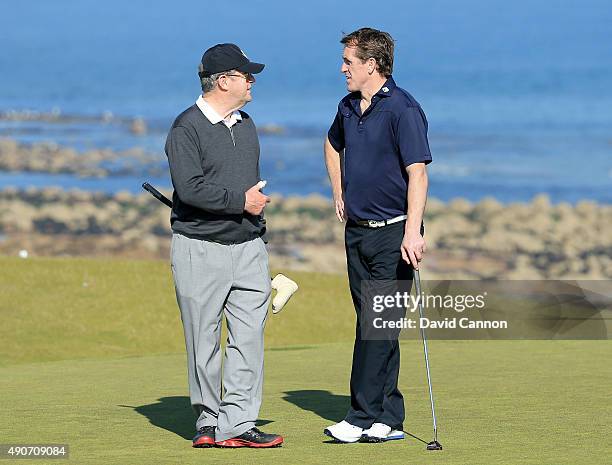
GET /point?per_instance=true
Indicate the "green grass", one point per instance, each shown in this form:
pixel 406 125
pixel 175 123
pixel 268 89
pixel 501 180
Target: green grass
pixel 102 368
pixel 55 309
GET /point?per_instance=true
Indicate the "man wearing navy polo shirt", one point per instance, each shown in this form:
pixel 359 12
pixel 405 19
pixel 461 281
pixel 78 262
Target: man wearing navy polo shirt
pixel 380 134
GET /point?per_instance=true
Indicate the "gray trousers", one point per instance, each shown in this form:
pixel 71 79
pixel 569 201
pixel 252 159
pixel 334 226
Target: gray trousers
pixel 212 279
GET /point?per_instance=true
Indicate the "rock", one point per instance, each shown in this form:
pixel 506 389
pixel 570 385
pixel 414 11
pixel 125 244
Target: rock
pixel 434 207
pixel 540 203
pixel 124 197
pixel 460 205
pixel 317 201
pixel 586 208
pixel 138 127
pixel 107 116
pixel 523 270
pixel 8 146
pixel 486 208
pixel 271 129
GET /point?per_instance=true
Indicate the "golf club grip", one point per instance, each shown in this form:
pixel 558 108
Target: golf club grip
pixel 157 194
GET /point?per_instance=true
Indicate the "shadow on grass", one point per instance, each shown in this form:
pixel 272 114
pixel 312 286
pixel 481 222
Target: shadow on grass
pixel 174 414
pixel 329 406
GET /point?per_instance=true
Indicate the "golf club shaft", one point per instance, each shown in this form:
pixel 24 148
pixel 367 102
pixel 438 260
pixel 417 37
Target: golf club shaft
pixel 417 281
pixel 157 194
pixel 165 200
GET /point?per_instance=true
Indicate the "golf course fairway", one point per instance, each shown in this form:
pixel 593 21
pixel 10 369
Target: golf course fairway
pixel 92 355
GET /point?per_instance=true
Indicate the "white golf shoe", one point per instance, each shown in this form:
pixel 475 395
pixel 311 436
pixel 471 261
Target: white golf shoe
pixel 380 432
pixel 285 288
pixel 344 432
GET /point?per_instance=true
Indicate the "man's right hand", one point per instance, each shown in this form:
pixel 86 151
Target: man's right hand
pixel 255 201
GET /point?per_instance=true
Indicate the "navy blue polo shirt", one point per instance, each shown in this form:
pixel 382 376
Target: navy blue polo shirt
pixel 378 146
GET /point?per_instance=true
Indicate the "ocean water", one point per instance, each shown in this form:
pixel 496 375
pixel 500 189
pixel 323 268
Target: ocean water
pixel 518 94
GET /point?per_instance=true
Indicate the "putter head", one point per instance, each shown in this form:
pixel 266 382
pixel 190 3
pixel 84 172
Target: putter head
pixel 434 445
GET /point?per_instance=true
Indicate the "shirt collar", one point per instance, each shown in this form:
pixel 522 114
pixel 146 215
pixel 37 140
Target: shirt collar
pixel 387 89
pixel 214 117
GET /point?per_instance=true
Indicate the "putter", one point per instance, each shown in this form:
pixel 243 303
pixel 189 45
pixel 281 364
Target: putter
pixel 433 445
pixel 285 287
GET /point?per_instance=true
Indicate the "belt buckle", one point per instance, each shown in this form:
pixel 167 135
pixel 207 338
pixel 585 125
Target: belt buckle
pixel 373 223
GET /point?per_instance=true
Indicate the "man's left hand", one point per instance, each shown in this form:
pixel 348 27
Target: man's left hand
pixel 413 248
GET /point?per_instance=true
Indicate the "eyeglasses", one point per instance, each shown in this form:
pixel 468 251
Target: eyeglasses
pixel 249 77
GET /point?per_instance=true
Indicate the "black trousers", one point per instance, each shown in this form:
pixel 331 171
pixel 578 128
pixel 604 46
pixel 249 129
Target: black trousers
pixel 374 254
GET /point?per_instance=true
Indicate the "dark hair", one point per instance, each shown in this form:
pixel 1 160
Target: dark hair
pixel 372 43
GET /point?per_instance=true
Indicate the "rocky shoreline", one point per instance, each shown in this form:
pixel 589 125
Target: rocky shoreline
pixel 487 239
pixel 48 157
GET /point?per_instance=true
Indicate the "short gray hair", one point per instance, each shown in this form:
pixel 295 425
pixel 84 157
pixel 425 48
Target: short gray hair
pixel 208 82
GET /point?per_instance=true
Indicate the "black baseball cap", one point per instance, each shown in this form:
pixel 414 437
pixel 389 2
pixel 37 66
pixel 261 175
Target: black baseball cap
pixel 223 57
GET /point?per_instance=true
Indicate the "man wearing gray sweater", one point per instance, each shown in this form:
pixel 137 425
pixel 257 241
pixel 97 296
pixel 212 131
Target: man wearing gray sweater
pixel 219 261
